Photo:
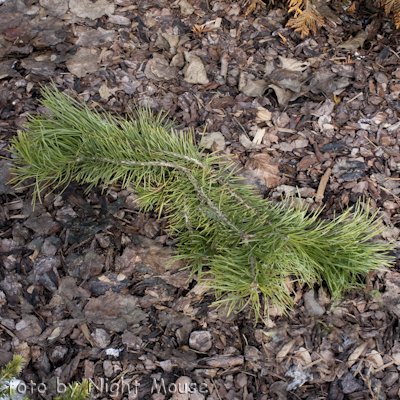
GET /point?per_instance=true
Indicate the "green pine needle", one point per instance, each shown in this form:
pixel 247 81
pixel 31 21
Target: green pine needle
pixel 251 247
pixel 9 372
pixel 77 391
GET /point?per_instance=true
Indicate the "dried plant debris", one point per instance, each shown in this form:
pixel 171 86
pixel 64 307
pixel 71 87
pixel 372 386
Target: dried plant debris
pixel 288 109
pixel 291 79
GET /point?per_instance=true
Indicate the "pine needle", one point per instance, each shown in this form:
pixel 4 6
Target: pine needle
pixel 9 372
pixel 249 246
pixel 74 391
pixel 77 391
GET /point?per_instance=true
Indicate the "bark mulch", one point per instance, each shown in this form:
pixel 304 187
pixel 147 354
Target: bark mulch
pixel 85 288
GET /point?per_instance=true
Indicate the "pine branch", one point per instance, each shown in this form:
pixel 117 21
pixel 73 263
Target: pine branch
pixel 249 246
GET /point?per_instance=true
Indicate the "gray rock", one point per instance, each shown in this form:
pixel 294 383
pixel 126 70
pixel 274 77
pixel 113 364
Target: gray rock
pixel 200 341
pixel 311 305
pixel 131 340
pixel 349 384
pixel 101 338
pixel 183 385
pixel 108 368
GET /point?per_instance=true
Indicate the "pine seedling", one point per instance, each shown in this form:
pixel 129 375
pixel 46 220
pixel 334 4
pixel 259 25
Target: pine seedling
pixel 250 247
pixel 76 391
pixel 8 373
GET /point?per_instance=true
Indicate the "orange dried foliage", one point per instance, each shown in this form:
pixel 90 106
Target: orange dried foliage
pixel 198 30
pixel 392 7
pixel 253 4
pixel 352 7
pixel 306 17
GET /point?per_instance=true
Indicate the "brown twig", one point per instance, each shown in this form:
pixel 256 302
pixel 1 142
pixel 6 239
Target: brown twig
pixel 318 153
pixel 322 185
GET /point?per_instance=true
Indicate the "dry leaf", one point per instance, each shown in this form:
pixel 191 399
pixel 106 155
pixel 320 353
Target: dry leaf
pixel 198 30
pixel 322 80
pixel 375 358
pixel 104 92
pixel 283 352
pixel 325 109
pixel 95 37
pixel 55 333
pixel 287 79
pixel 119 20
pixel 357 353
pixel 195 72
pixel 355 42
pixel 186 7
pixel 259 167
pixel 83 62
pixel 303 356
pixel 23 350
pixel 103 278
pixel 252 88
pixel 85 330
pixel 284 95
pixel 88 9
pixel 247 143
pixel 173 40
pixel 293 64
pixel 323 122
pixel 158 69
pixel 214 141
pixel 178 60
pixel 327 12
